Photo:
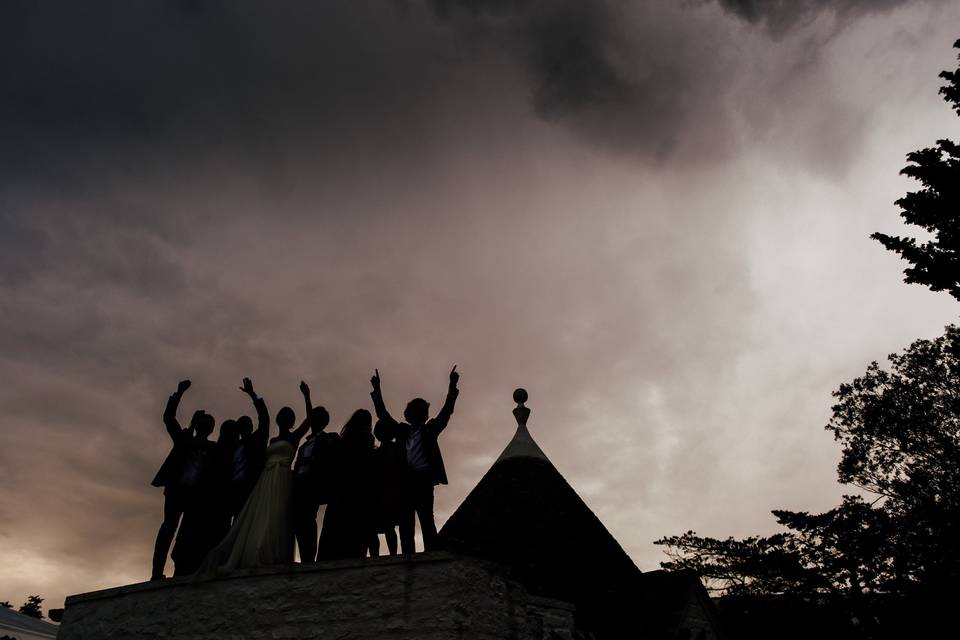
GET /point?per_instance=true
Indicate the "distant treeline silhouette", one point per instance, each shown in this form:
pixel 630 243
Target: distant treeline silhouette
pixel 237 502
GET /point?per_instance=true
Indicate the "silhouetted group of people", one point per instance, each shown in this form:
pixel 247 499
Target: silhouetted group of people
pixel 245 499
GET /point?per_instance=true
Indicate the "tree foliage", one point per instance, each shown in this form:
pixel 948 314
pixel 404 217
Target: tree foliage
pixel 736 567
pixel 32 607
pixel 935 208
pixel 900 433
pixel 899 430
pixel 841 552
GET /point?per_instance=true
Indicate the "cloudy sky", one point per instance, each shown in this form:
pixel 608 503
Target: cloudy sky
pixel 654 215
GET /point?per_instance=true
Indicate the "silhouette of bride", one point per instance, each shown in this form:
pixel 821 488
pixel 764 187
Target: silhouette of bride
pixel 262 534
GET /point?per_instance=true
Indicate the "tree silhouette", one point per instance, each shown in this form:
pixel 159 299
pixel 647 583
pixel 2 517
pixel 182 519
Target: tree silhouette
pixel 843 552
pixel 935 208
pixel 32 607
pixel 900 432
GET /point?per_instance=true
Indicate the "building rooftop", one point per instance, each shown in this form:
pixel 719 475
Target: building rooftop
pixel 20 626
pixel 524 515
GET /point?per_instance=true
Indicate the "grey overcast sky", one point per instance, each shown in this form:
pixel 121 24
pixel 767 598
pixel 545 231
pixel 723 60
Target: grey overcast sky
pixel 654 215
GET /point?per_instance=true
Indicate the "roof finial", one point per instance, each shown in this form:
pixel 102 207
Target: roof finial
pixel 522 445
pixel 521 412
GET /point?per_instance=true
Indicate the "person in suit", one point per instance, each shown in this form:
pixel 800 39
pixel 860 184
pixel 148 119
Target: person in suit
pixel 423 469
pixel 182 473
pixel 218 496
pixel 312 476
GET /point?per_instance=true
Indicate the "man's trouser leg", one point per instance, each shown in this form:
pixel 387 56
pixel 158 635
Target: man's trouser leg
pixel 172 511
pixel 407 514
pixel 305 521
pixel 423 495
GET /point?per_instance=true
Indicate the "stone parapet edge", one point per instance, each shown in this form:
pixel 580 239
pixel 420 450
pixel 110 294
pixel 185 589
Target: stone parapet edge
pixel 319 567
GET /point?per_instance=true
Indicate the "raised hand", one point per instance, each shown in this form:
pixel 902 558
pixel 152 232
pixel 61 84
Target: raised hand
pixel 454 377
pixel 183 386
pixel 375 380
pixel 247 388
pixel 304 388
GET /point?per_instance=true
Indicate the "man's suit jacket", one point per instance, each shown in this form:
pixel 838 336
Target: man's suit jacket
pixel 389 429
pixel 172 467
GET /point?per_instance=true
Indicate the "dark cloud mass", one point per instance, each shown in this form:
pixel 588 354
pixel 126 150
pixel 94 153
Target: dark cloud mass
pixel 566 45
pixel 244 77
pixel 241 77
pixel 782 15
pixel 167 81
pixel 637 78
pixel 170 81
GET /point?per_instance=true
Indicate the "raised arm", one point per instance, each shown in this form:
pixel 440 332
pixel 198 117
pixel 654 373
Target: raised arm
pixel 443 416
pixel 307 404
pixel 301 431
pixel 170 413
pixel 263 416
pixel 386 420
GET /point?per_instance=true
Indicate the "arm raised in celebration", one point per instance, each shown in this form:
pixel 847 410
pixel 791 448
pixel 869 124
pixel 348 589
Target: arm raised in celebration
pixel 443 416
pixel 301 431
pixel 170 413
pixel 263 416
pixel 386 426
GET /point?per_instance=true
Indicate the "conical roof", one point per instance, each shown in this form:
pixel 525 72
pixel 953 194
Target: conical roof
pixel 523 446
pixel 524 515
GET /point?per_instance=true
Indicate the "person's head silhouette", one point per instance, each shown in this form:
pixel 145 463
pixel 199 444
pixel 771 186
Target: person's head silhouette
pixel 417 411
pixel 319 419
pixel 229 432
pixel 202 424
pixel 357 430
pixel 285 419
pixel 244 426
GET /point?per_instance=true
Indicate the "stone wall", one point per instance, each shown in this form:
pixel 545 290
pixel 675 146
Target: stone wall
pixel 430 596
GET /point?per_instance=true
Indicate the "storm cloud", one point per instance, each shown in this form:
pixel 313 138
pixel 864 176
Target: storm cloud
pixel 781 15
pixel 173 83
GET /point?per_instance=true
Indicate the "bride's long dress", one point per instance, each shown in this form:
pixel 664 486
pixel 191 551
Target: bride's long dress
pixel 263 532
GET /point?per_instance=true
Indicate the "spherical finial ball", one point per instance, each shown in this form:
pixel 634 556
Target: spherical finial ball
pixel 520 395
